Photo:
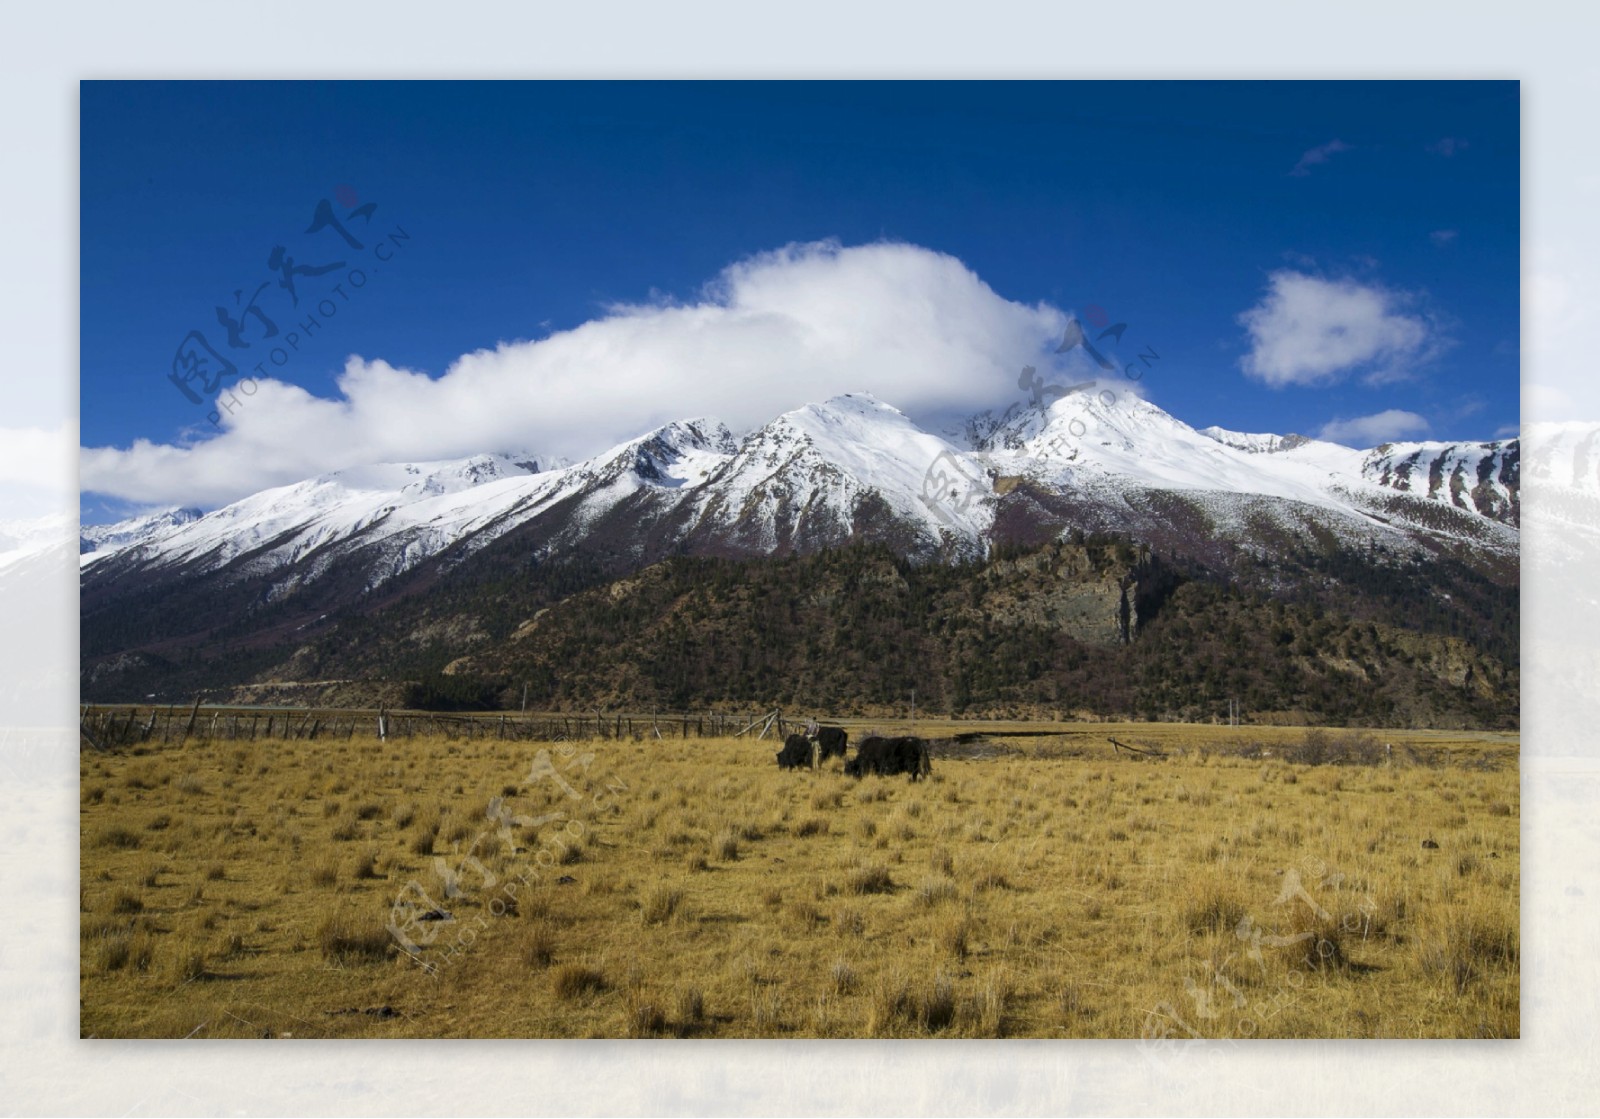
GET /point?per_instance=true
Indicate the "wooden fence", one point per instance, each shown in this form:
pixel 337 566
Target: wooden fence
pixel 113 726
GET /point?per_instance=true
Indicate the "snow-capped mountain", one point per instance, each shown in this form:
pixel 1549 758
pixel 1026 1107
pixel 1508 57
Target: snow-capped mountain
pixel 1565 457
pixel 1563 507
pixel 797 483
pixel 23 539
pixel 96 542
pixel 1483 477
pixel 416 507
pixel 1115 462
pixel 285 564
pixel 826 474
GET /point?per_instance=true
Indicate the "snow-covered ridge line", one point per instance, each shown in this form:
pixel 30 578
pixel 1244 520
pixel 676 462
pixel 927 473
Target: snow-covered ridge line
pixel 820 475
pixel 1253 443
pixel 98 541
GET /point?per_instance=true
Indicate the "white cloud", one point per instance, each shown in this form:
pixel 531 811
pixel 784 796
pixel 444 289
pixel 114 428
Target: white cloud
pixel 1443 237
pixel 1562 330
pixel 36 470
pixel 1307 331
pixel 803 323
pixel 1320 154
pixel 1448 146
pixel 1369 431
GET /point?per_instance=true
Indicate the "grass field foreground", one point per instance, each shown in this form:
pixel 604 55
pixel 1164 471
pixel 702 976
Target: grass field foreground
pixel 1046 887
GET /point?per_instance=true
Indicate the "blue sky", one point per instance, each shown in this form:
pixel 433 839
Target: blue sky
pixel 1336 257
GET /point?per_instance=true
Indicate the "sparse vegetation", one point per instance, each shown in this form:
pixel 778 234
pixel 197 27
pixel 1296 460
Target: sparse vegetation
pixel 712 895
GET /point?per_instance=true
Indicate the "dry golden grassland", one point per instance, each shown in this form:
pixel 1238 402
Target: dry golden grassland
pixel 688 888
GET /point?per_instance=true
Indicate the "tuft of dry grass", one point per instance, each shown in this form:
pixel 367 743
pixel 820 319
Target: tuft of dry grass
pixel 642 1014
pixel 898 1006
pixel 802 917
pixel 324 872
pixel 538 946
pixel 869 880
pixel 953 936
pixel 189 966
pixel 725 847
pixel 119 947
pixel 344 942
pixel 119 837
pixel 1465 948
pixel 990 879
pixel 1211 905
pixel 659 904
pixel 933 891
pixel 571 981
pixel 850 922
pixel 691 1007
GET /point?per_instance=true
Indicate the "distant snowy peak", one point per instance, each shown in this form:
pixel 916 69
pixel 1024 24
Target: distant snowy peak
pixel 286 523
pixel 1252 443
pixel 46 536
pixel 98 541
pixel 1564 455
pixel 1478 477
pixel 425 479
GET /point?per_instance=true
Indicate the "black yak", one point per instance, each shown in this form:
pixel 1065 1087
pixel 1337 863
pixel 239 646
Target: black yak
pixel 888 756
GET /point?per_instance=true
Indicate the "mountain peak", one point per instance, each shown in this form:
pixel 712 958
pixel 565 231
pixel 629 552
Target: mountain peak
pixel 1249 442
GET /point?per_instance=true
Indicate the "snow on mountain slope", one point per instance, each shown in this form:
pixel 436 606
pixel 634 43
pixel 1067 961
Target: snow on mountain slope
pixel 24 539
pixel 1113 446
pixel 1478 476
pixel 1563 508
pixel 807 475
pixel 96 542
pixel 1255 444
pixel 288 523
pixel 397 515
pixel 677 457
pixel 1565 455
pixel 1093 436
